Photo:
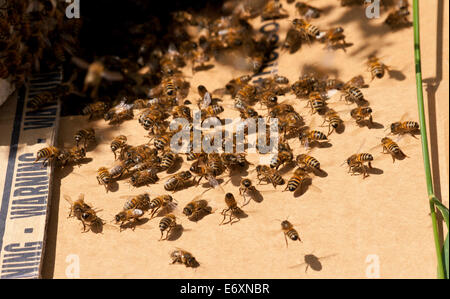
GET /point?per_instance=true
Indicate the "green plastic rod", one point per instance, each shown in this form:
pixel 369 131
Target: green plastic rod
pixel 423 131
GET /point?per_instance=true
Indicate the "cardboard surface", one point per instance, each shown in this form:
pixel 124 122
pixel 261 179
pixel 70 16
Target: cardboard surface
pixel 25 186
pixel 357 228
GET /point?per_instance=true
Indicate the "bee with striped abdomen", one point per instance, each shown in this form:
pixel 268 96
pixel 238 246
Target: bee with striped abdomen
pixel 283 157
pixel 316 101
pixel 183 257
pixel 297 179
pixel 86 135
pixel 351 90
pixel 306 29
pixel 168 223
pixel 404 127
pixel 89 218
pixel 309 136
pixel 73 155
pixel 163 201
pixel 78 207
pixel 41 99
pixel 128 216
pixel 196 207
pixel 48 154
pixel 335 38
pixel 362 113
pixel 392 148
pixel 118 143
pixel 95 110
pixel 231 210
pixel 179 180
pixel 269 175
pixel 305 161
pixel 141 202
pixel 333 119
pixel 104 177
pixel 168 160
pixel 356 162
pixel 376 68
pixel 289 231
pixel 144 177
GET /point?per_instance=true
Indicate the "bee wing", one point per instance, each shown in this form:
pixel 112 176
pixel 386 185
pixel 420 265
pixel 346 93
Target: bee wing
pixel 206 100
pixel 361 145
pixel 68 199
pixel 112 76
pixel 81 63
pixel 404 116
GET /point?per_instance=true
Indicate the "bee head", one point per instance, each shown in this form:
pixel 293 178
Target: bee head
pixel 247 183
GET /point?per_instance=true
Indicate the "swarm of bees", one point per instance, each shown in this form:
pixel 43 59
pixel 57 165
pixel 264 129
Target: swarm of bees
pixel 154 92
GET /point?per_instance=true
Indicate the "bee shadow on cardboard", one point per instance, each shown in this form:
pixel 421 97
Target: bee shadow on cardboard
pixel 370 124
pixel 304 186
pixel 176 232
pixel 133 224
pixel 68 169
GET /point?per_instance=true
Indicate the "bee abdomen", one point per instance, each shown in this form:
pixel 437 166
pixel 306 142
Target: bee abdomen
pixel 293 235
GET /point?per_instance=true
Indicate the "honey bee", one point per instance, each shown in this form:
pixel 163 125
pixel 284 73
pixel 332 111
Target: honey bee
pixel 203 170
pixel 168 160
pixel 273 9
pixel 74 155
pixel 130 215
pixel 317 102
pixel 280 109
pixel 178 180
pixel 86 135
pixel 335 38
pixel 182 111
pixel 283 157
pixel 299 176
pixel 293 40
pixel 361 113
pixel 269 175
pixel 163 141
pixel 140 202
pixel 211 111
pixel 78 207
pixel 356 162
pixel 95 110
pixel 195 207
pixel 392 148
pixel 183 257
pixel 235 84
pixel 42 99
pixel 308 136
pixel 398 19
pixel 334 121
pixel 289 231
pixel 48 153
pixel 151 116
pixel 119 113
pixel 307 11
pixel 404 127
pixel 231 210
pixel 246 187
pixel 117 143
pixel 168 223
pixel 118 170
pixel 350 90
pixel 246 94
pixel 89 218
pixel 104 177
pixel 163 201
pixel 376 68
pixel 305 85
pixel 306 29
pixel 304 161
pixel 144 177
pixel 96 71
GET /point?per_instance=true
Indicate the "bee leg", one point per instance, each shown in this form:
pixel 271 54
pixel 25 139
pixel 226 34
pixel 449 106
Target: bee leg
pixel 162 234
pixel 285 239
pixel 153 212
pixel 224 213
